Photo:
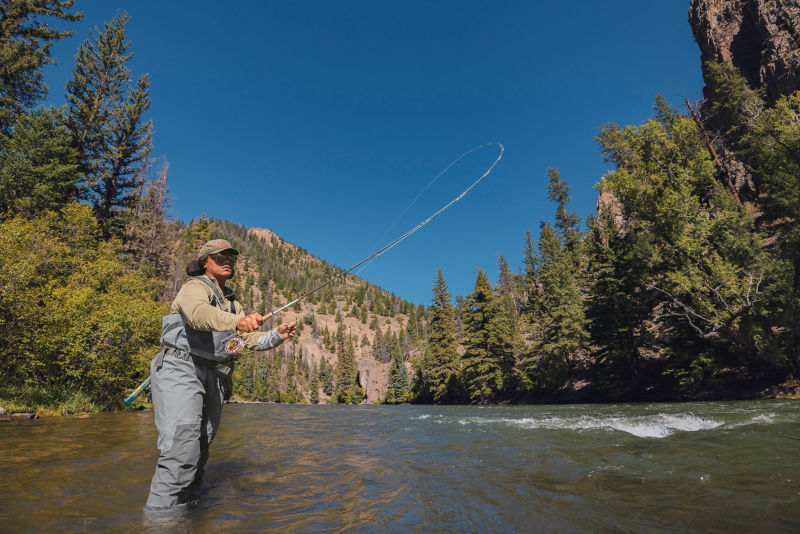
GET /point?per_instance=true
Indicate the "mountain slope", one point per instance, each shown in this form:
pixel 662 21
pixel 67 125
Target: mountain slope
pixel 273 272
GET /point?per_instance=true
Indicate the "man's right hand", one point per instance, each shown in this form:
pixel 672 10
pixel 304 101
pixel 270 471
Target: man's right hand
pixel 250 323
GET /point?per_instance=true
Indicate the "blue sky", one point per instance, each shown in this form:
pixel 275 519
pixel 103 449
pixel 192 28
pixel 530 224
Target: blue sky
pixel 323 120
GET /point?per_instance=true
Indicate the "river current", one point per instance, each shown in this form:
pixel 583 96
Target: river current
pixel 694 467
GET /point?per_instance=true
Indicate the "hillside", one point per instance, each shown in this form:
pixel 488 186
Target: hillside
pixel 271 273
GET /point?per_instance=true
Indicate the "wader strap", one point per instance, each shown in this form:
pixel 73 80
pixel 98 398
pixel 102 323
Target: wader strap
pixel 220 298
pixel 160 358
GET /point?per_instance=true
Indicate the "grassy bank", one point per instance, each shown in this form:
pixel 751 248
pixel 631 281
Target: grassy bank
pixel 51 401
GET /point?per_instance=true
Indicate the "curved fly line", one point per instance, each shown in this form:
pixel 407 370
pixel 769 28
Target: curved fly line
pixel 398 240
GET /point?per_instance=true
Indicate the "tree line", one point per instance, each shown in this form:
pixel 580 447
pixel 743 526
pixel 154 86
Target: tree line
pixel 684 284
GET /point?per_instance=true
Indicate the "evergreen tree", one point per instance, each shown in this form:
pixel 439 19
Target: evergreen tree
pixel 347 388
pixel 106 116
pixel 482 373
pixel 530 284
pixel 25 43
pixel 562 315
pixel 37 164
pixel 442 372
pixel 398 381
pixel 326 377
pixel 315 385
pixel 567 224
pixel 507 285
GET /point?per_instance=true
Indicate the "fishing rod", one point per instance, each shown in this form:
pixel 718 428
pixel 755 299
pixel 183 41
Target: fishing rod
pixel 235 344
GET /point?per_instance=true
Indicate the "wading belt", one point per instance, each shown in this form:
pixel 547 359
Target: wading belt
pixel 219 368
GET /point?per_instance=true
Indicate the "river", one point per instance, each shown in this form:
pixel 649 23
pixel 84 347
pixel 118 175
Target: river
pixel 694 467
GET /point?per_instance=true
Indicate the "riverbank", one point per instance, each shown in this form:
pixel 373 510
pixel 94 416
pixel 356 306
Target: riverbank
pixel 32 403
pixel 16 402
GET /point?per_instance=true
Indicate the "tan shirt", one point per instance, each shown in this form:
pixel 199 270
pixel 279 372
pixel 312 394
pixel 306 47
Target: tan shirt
pixel 193 301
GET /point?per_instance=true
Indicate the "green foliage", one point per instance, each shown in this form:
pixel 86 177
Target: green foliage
pixel 38 164
pixel 347 389
pixel 398 381
pixel 315 385
pixel 74 314
pixel 25 42
pixel 489 344
pixel 688 248
pixel 557 325
pixel 440 375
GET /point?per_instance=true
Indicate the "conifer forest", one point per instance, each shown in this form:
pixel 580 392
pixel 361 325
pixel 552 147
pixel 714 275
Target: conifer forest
pixel 683 284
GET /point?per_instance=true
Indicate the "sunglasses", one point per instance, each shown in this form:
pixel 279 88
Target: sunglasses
pixel 225 258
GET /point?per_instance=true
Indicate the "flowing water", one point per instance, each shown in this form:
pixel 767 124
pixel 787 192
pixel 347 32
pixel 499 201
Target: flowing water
pixel 698 467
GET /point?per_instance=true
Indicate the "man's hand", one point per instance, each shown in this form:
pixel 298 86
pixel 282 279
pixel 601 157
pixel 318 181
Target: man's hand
pixel 250 323
pixel 287 330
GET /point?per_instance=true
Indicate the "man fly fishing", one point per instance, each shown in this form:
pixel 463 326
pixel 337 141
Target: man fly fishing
pixel 198 340
pixel 190 375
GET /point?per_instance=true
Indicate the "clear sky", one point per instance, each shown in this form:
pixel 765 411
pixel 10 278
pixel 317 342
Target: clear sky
pixel 323 120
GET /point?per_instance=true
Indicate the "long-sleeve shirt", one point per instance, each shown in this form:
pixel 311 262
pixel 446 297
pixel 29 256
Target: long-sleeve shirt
pixel 194 302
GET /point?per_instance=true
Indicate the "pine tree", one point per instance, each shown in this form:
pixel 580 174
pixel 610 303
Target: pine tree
pixel 567 224
pixel 315 384
pixel 37 164
pixel 482 373
pixel 347 388
pixel 688 251
pixel 398 381
pixel 24 51
pixel 530 284
pixel 106 116
pixel 559 325
pixel 507 285
pixel 442 373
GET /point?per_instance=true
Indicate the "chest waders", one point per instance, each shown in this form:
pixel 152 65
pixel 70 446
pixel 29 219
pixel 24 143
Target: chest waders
pixel 188 385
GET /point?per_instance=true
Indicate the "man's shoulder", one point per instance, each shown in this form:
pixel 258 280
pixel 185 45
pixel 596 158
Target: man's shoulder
pixel 197 281
pixel 194 286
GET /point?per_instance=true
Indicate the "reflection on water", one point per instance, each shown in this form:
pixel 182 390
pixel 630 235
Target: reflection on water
pixel 702 467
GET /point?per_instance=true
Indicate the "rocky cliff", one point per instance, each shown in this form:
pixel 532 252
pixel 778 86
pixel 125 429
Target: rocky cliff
pixel 759 37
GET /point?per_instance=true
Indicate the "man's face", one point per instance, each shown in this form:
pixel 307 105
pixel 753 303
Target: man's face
pixel 221 265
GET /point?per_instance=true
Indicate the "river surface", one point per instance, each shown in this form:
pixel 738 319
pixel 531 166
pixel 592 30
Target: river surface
pixel 696 467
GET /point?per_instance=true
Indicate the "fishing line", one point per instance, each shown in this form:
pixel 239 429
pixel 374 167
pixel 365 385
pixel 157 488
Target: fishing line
pixel 237 343
pixel 435 179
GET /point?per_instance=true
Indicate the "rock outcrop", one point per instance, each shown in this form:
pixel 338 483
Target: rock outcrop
pixel 759 37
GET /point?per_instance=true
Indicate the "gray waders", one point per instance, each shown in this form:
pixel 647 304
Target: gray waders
pixel 187 401
pixel 188 378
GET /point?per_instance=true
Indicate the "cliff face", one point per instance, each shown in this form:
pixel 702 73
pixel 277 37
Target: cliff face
pixel 759 37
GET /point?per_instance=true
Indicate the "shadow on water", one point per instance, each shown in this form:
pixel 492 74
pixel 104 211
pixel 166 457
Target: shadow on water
pixel 701 467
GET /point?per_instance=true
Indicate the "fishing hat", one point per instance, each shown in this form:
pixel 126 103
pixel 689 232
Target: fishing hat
pixel 215 246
